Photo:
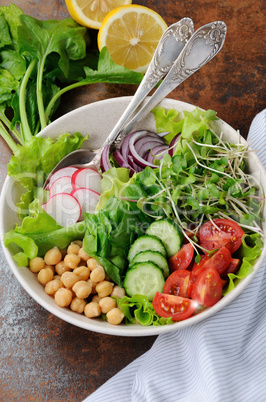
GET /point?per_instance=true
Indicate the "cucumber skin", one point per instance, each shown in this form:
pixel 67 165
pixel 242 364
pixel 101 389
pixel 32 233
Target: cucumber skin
pixel 138 258
pixel 179 235
pixel 148 293
pixel 139 240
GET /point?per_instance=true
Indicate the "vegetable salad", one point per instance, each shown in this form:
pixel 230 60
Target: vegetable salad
pixel 175 236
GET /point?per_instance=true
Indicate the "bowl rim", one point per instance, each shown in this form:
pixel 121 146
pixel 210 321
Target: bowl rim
pixel 134 330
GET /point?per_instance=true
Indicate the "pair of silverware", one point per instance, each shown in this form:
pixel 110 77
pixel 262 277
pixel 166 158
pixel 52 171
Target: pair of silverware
pixel 179 54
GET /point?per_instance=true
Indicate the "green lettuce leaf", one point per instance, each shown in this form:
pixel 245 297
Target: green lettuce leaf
pixel 138 309
pixel 249 253
pixel 32 162
pixel 109 235
pixel 39 232
pixel 113 183
pixel 167 120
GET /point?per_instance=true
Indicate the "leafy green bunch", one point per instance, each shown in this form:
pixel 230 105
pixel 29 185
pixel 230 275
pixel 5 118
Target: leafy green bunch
pixel 40 61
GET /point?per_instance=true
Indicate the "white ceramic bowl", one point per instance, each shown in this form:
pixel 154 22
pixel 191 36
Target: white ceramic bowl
pixel 97 120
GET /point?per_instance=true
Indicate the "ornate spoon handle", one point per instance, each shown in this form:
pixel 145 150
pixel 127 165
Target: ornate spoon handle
pixel 169 47
pixel 203 45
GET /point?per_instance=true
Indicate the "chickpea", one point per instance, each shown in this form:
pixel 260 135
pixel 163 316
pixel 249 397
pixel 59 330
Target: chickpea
pixel 98 274
pixel 51 267
pixel 82 272
pixel 53 256
pixel 69 279
pixel 115 316
pixel 92 309
pixel 63 297
pixel 72 260
pixel 57 277
pixel 45 275
pixel 78 305
pixel 73 248
pixel 83 255
pixel 52 286
pixel 82 289
pixel 92 264
pixel 96 299
pixel 93 286
pixel 36 264
pixel 78 242
pixel 61 267
pixel 107 304
pixel 104 288
pixel 118 292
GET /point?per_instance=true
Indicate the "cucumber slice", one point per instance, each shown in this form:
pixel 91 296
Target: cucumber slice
pixel 144 278
pixel 168 233
pixel 152 256
pixel 146 243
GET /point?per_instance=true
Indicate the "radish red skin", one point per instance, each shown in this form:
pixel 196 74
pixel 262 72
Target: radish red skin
pixel 87 178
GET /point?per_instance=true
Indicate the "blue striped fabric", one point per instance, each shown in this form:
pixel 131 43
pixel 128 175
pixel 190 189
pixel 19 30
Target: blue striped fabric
pixel 222 359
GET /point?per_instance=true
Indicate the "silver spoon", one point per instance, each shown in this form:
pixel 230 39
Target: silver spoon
pixel 202 46
pixel 168 49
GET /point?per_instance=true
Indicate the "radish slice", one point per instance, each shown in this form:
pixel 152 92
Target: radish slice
pixel 61 185
pixel 66 171
pixel 64 208
pixel 87 178
pixel 88 199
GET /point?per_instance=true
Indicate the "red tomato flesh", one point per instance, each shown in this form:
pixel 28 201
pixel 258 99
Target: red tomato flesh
pixel 207 290
pixel 182 259
pixel 225 233
pixel 178 283
pixel 176 307
pixel 232 267
pixel 219 260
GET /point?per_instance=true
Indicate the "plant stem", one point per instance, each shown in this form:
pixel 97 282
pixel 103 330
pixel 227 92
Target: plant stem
pixel 59 94
pixel 14 131
pixel 26 136
pixel 39 94
pixel 10 142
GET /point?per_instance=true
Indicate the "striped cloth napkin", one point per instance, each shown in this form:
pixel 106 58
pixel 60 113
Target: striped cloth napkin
pixel 221 359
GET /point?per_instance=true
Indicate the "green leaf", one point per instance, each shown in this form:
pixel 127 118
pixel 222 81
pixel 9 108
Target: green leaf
pixel 13 63
pixel 34 161
pixel 12 15
pixel 8 86
pixel 40 38
pixel 167 120
pixel 110 72
pixel 249 253
pixel 5 38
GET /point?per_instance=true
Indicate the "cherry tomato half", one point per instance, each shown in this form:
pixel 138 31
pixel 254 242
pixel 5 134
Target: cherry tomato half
pixel 207 290
pixel 176 307
pixel 182 258
pixel 232 267
pixel 180 283
pixel 219 260
pixel 228 234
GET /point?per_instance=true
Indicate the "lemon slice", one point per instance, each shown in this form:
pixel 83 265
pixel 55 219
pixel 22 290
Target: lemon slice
pixel 131 34
pixel 91 13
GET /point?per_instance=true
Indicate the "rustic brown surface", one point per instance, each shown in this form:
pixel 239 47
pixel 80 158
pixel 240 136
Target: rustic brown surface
pixel 44 358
